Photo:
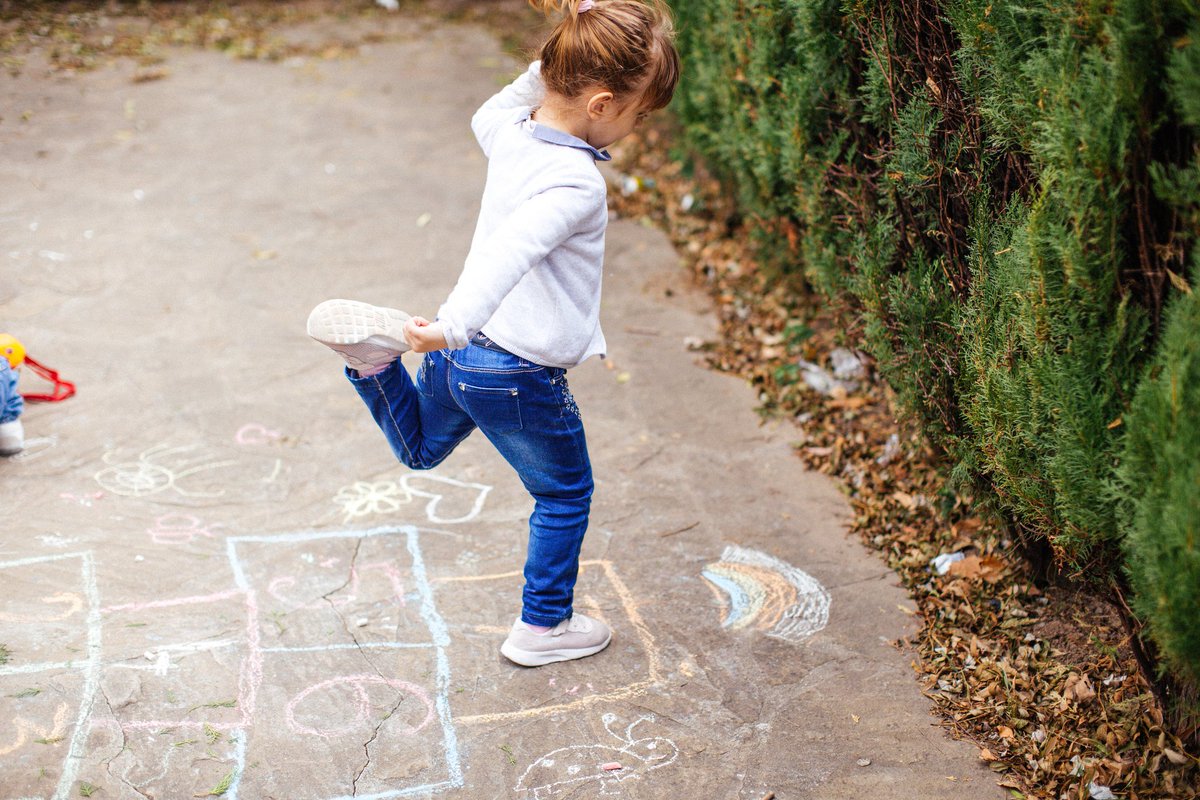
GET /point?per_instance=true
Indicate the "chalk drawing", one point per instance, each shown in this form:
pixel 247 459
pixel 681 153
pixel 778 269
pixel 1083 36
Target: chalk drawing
pixel 427 703
pixel 435 491
pixel 24 728
pixel 88 666
pixel 359 685
pixel 566 768
pixel 768 594
pixel 149 475
pixel 363 498
pixel 74 601
pixel 253 433
pixel 175 528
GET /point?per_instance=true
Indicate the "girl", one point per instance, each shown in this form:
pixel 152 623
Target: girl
pixel 526 307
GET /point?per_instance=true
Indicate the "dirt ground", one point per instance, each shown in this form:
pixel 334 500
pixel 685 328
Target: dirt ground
pixel 219 582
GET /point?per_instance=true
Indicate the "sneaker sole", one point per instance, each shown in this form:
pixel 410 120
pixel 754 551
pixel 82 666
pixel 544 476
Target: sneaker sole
pixel 532 658
pixel 366 335
pixel 352 322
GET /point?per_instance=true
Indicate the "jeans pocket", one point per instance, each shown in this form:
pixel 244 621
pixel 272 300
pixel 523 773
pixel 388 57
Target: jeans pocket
pixel 494 409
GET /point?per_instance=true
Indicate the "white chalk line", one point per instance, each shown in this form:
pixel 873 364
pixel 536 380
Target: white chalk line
pixel 49 666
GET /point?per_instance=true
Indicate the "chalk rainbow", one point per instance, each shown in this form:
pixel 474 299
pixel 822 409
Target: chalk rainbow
pixel 768 594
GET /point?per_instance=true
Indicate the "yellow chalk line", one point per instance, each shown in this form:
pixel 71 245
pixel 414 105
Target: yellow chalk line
pixel 629 604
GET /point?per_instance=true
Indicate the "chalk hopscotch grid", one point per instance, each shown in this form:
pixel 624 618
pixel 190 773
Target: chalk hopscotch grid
pixel 439 636
pixel 90 667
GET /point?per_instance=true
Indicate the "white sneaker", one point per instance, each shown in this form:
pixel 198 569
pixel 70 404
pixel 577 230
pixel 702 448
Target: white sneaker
pixel 576 637
pixel 367 336
pixel 12 438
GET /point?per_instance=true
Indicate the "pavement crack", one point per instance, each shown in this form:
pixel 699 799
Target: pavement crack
pixel 367 746
pixel 349 578
pixel 345 624
pixel 124 743
pixel 107 762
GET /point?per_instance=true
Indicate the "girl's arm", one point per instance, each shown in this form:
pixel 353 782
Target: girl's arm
pixel 528 235
pixel 525 92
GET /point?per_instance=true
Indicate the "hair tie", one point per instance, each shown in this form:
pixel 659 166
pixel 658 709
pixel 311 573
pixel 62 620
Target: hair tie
pixel 585 5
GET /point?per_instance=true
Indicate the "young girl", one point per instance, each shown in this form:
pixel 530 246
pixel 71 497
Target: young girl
pixel 526 307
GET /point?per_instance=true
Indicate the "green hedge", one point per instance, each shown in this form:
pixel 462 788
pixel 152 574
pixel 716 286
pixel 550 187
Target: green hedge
pixel 1159 483
pixel 1003 194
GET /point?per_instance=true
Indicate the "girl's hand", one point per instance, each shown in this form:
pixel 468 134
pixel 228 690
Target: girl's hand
pixel 424 336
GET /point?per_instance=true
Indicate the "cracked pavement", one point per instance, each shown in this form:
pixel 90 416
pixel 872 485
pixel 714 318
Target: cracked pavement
pixel 278 608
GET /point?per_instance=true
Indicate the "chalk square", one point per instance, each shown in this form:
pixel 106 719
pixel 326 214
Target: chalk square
pixel 631 667
pixel 188 661
pixel 319 710
pixel 338 588
pixel 45 613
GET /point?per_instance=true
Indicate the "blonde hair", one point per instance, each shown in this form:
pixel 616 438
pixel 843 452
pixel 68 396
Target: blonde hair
pixel 614 44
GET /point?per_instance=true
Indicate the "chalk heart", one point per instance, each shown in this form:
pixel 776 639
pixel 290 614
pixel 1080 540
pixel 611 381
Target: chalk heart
pixel 342 706
pixel 449 501
pixel 253 433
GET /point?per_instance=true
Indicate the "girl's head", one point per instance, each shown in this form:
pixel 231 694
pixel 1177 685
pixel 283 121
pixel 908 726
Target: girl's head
pixel 623 47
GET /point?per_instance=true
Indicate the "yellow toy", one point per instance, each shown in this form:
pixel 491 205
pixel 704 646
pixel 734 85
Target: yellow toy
pixel 12 349
pixel 14 352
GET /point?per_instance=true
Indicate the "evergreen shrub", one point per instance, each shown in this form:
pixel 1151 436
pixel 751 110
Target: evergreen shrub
pixel 1000 193
pixel 1159 485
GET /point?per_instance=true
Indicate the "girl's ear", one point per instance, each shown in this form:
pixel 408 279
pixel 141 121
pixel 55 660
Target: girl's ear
pixel 600 104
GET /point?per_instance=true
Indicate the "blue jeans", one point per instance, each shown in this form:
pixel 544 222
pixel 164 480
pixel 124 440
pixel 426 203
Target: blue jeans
pixel 11 402
pixel 527 412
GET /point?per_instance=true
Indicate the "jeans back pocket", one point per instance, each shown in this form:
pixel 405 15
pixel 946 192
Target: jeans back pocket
pixel 495 409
